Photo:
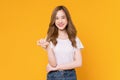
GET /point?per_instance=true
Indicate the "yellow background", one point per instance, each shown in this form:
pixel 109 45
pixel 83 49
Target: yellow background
pixel 23 22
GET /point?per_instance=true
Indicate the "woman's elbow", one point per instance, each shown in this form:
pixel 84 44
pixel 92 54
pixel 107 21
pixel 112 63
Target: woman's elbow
pixel 53 65
pixel 79 64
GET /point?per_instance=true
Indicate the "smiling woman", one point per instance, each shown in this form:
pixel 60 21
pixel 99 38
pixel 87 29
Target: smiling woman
pixel 62 45
pixel 61 20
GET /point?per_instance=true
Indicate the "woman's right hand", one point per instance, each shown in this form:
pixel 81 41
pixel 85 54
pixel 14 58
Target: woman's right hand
pixel 43 43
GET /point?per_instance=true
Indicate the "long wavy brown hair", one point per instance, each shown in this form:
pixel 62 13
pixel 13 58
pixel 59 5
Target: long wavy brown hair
pixel 52 33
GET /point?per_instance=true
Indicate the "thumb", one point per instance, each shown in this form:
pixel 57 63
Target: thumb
pixel 46 43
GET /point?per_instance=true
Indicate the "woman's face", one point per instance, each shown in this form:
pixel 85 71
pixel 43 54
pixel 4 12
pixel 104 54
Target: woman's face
pixel 61 20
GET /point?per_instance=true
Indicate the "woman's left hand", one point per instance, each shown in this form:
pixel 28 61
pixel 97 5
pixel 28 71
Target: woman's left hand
pixel 50 68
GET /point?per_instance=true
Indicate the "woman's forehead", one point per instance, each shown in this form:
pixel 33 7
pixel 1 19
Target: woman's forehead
pixel 60 13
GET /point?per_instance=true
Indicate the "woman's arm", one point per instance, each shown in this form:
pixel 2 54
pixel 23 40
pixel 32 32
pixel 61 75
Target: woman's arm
pixel 46 45
pixel 76 63
pixel 51 57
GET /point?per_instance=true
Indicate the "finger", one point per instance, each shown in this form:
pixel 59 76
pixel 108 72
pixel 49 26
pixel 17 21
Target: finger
pixel 41 44
pixel 46 43
pixel 41 41
pixel 44 47
pixel 44 40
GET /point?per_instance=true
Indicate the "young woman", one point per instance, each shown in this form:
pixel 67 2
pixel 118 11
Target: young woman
pixel 62 45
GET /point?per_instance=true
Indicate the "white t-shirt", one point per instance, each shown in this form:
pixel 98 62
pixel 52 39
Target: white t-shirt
pixel 64 51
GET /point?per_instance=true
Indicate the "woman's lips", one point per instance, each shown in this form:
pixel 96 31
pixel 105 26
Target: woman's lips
pixel 60 25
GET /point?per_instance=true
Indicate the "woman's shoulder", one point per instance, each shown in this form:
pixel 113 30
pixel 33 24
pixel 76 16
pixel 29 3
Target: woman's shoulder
pixel 77 38
pixel 78 42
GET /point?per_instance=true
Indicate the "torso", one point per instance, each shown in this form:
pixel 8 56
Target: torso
pixel 64 51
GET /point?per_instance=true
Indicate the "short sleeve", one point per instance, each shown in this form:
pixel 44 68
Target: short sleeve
pixel 51 45
pixel 78 43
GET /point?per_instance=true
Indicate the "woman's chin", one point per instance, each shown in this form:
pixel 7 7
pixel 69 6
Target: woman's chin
pixel 61 29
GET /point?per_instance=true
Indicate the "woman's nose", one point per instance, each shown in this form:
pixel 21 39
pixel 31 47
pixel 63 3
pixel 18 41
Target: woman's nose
pixel 60 20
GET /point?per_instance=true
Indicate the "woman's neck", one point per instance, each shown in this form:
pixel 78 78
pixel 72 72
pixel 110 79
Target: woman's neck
pixel 62 34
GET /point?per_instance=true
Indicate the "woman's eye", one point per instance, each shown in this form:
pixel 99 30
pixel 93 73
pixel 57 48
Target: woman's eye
pixel 63 17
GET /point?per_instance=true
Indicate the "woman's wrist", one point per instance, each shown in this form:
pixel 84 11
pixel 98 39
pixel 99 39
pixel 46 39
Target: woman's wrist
pixel 58 67
pixel 47 48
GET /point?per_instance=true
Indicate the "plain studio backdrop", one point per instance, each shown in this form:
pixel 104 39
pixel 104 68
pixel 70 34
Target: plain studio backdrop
pixel 23 22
